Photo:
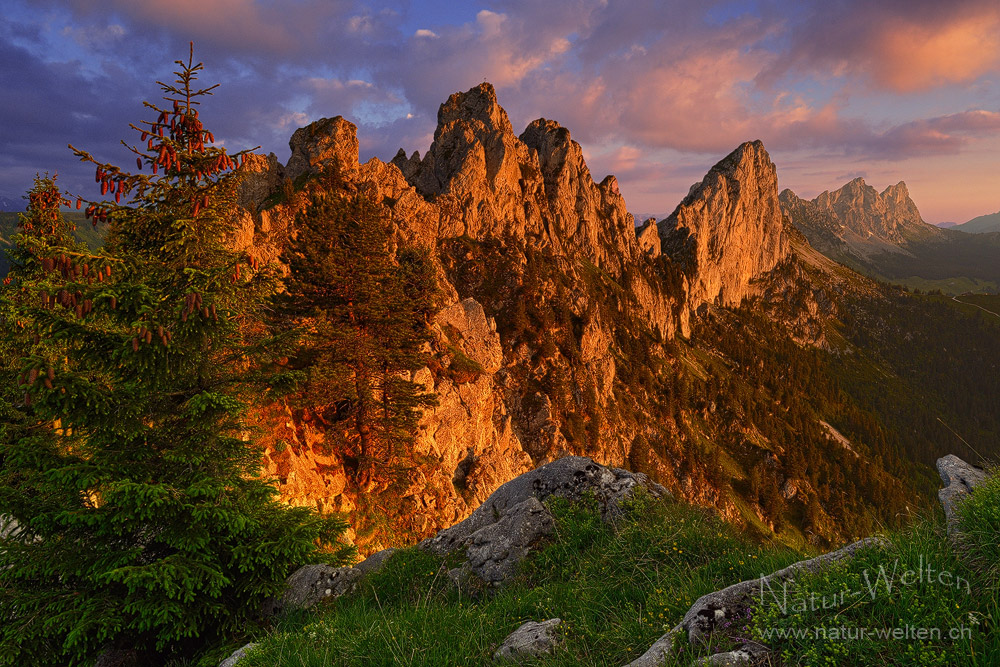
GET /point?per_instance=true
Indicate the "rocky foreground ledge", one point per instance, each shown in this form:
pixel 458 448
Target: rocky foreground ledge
pixel 513 522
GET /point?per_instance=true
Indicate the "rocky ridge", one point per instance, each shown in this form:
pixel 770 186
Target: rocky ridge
pixel 554 308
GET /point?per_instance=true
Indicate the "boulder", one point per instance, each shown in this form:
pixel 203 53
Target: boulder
pixel 513 520
pixel 569 477
pixel 959 478
pixel 237 655
pixel 493 552
pixel 715 608
pixel 531 640
pixel 374 562
pixel 311 583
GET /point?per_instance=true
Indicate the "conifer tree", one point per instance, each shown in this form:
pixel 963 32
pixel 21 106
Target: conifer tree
pixel 358 321
pixel 143 523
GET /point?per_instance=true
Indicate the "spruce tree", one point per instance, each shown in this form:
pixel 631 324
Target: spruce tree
pixel 357 321
pixel 143 522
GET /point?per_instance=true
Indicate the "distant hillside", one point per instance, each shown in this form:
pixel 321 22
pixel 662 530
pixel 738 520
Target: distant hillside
pixel 884 236
pixel 85 232
pixel 981 225
pixel 11 204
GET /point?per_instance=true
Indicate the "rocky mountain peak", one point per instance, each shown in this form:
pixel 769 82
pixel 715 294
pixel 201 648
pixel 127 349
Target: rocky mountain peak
pixel 487 177
pixel 326 143
pixel 729 229
pixel 889 216
pixel 476 105
pixel 583 214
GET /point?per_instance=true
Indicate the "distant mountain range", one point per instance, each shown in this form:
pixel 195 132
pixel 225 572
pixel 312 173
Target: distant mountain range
pixel 11 204
pixel 983 224
pixel 883 235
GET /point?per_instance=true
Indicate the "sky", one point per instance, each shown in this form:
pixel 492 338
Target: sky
pixel 655 91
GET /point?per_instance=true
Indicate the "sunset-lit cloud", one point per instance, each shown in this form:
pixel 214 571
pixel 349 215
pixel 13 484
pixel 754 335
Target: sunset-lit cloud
pixel 901 45
pixel 655 91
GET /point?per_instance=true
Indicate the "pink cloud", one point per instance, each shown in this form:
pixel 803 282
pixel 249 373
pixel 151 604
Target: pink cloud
pixel 899 45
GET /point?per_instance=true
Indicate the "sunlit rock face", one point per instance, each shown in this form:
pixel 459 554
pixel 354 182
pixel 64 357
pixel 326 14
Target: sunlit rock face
pixel 545 286
pixel 729 229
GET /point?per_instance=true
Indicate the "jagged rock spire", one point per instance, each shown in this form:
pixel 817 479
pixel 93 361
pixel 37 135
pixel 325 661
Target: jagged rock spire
pixel 729 229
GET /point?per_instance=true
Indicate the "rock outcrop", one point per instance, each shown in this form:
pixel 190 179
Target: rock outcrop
pixel 959 479
pixel 513 520
pixel 531 640
pixel 330 143
pixel 729 229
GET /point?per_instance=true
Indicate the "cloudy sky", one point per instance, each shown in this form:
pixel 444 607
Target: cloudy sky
pixel 656 91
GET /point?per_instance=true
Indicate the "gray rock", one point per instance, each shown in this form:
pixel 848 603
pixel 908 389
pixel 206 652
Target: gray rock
pixel 748 654
pixel 512 521
pixel 494 551
pixel 8 526
pixel 374 562
pixel 715 608
pixel 311 583
pixel 657 654
pixel 959 478
pixel 237 655
pixel 569 477
pixel 530 641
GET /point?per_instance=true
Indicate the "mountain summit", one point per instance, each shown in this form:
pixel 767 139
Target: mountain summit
pixel 729 229
pixel 859 220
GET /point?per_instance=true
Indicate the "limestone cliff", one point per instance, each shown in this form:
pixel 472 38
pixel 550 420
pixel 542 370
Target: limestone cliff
pixel 729 229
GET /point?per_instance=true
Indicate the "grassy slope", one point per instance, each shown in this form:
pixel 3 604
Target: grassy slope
pixel 615 592
pixel 618 591
pixel 946 598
